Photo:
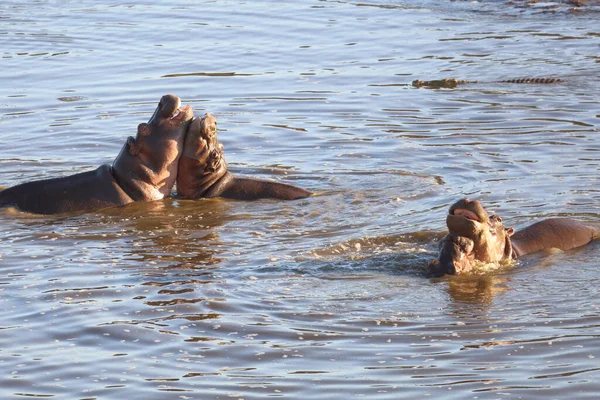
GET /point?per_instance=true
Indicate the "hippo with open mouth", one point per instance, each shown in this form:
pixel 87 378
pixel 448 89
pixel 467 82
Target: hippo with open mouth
pixel 476 235
pixel 144 170
pixel 203 170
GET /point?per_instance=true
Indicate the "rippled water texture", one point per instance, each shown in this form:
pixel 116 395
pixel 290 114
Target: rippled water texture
pixel 323 297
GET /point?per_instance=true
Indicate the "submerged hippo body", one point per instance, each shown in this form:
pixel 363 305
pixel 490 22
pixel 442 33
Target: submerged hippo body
pixel 85 191
pixel 144 170
pixel 475 235
pixel 203 170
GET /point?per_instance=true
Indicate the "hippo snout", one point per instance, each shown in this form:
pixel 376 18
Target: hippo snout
pixel 167 105
pixel 453 256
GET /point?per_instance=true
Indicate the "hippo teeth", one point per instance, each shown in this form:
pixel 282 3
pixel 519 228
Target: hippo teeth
pixel 177 112
pixel 467 214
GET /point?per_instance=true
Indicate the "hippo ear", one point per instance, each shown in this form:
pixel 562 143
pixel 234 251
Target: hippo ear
pixel 510 232
pixel 144 129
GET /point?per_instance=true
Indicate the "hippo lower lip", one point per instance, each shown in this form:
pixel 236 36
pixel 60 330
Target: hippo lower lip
pixel 466 214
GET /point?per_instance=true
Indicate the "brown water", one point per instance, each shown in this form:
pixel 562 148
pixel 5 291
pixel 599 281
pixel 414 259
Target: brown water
pixel 318 298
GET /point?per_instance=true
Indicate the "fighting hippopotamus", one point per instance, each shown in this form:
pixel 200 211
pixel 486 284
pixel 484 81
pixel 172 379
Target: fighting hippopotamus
pixel 476 236
pixel 203 170
pixel 144 170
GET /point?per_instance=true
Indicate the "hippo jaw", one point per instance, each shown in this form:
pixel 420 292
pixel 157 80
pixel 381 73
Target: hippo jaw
pixel 201 141
pixel 169 111
pixel 208 133
pixel 491 241
pixel 202 163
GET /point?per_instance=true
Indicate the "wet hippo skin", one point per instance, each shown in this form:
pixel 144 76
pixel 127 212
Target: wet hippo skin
pixel 144 170
pixel 203 170
pixel 476 235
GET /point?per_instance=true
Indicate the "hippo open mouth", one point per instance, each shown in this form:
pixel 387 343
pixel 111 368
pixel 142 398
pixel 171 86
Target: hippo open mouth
pixel 467 214
pixel 180 113
pixel 465 218
pixel 171 112
pixel 169 109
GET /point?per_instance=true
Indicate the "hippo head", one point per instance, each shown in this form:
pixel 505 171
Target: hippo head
pixel 473 235
pixel 202 163
pixel 160 141
pixel 455 257
pixel 201 143
pixel 147 166
pixel 491 241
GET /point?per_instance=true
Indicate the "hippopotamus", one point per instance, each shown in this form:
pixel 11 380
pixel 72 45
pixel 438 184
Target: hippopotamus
pixel 476 235
pixel 203 170
pixel 144 170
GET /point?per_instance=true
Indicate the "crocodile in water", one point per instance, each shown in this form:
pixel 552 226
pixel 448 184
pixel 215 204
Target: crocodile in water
pixel 449 83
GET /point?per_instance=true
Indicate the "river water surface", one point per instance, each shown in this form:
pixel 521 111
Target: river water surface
pixel 324 297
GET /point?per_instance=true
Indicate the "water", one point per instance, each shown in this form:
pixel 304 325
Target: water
pixel 318 298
